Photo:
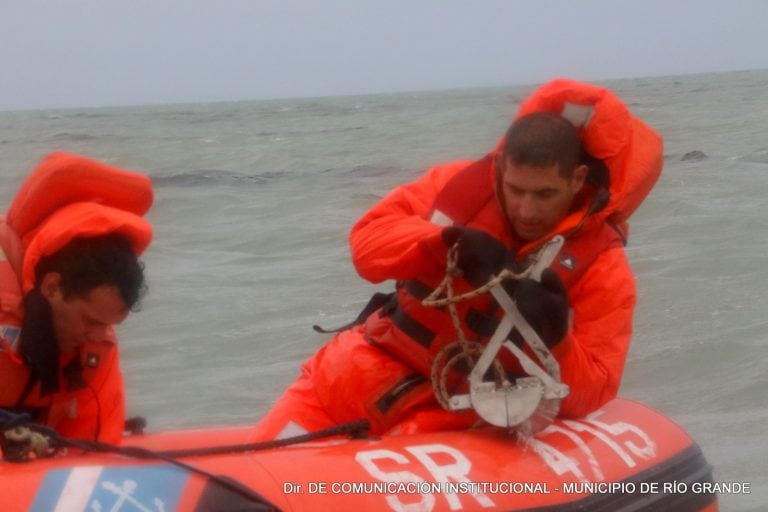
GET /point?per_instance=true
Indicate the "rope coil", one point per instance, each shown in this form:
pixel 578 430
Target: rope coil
pixel 22 443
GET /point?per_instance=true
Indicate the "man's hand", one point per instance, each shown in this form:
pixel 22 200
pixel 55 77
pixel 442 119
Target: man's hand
pixel 480 256
pixel 544 305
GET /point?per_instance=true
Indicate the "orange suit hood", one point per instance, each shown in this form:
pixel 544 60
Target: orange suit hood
pixel 68 196
pixel 631 150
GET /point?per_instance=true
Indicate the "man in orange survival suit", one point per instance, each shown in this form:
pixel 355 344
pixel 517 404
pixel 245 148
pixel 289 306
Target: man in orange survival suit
pixel 69 273
pixel 503 207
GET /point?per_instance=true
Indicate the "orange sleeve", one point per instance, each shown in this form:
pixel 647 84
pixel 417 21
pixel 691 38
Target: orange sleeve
pixel 395 239
pixel 593 354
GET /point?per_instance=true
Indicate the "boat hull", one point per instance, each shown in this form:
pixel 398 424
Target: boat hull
pixel 623 457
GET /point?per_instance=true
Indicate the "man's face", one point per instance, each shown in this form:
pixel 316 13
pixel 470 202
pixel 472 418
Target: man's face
pixel 77 320
pixel 536 199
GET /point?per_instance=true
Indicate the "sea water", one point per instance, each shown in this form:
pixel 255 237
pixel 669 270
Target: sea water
pixel 254 201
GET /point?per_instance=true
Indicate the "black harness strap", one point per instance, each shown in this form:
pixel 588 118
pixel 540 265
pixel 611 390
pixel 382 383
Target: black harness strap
pixel 378 300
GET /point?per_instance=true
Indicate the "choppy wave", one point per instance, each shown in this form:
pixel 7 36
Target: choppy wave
pixel 371 171
pixel 214 177
pixel 72 137
pixel 80 115
pixel 759 156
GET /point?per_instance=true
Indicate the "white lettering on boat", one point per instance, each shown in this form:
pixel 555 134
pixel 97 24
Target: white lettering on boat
pixel 427 455
pixel 584 447
pixel 367 458
pixel 616 436
pixel 448 466
pixel 444 474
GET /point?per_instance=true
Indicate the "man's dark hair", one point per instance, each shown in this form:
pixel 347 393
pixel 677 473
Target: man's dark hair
pixel 543 139
pixel 86 263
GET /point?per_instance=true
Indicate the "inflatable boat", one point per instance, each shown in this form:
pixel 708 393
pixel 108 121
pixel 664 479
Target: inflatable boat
pixel 623 457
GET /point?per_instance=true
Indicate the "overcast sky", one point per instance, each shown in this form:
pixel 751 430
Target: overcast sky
pixel 73 53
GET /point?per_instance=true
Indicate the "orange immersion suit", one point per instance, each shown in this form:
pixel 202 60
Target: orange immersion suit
pixel 65 197
pixel 380 370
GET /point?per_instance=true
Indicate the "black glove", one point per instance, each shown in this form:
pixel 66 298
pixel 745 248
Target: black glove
pixel 545 306
pixel 480 255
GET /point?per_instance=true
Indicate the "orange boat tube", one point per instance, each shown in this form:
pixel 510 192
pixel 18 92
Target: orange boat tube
pixel 623 457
